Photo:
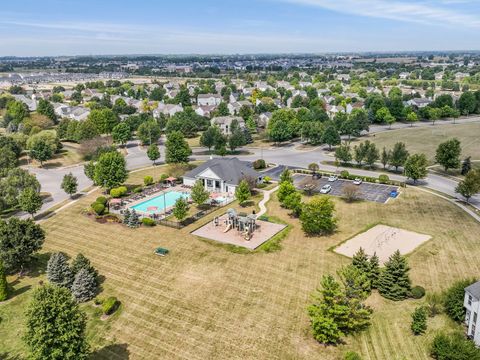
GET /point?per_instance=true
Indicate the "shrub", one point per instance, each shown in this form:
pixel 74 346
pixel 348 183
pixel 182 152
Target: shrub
pixel 267 179
pixel 163 177
pixel 454 346
pixel 118 192
pixel 259 164
pixel 344 174
pixel 454 297
pixel 417 292
pixel 352 355
pixel 101 200
pixel 97 301
pixel 98 208
pixel 384 179
pixel 419 321
pixel 110 305
pixel 138 189
pixel 148 222
pixel 263 218
pixel 148 180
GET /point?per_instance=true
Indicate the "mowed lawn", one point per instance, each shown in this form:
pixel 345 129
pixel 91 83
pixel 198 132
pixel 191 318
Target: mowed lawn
pixel 426 139
pixel 203 301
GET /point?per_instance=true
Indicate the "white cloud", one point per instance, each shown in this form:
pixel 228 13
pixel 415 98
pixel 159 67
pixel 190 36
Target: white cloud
pixel 420 12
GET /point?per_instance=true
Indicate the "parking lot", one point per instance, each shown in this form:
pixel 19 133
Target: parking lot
pixel 368 191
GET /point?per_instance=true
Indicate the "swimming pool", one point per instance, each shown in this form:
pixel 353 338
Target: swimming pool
pixel 160 202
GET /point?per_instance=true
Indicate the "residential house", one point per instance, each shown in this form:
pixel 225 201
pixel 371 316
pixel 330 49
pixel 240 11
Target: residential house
pixel 264 119
pixel 167 109
pixel 439 76
pixel 459 76
pixel 343 77
pixel 235 107
pixel 221 175
pixel 472 305
pixel 403 75
pixel 205 110
pixel 419 102
pixel 209 99
pixel 285 84
pixel 333 110
pixel 225 123
pixel 31 103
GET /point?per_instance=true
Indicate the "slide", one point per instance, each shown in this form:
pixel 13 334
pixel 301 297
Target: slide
pixel 229 226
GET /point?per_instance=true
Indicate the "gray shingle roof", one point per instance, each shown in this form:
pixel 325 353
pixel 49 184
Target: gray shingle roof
pixel 230 170
pixel 474 289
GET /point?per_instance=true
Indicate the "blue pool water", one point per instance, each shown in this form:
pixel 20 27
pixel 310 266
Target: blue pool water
pixel 159 202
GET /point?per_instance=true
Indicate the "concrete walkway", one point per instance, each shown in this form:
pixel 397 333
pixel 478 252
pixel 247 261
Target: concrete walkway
pixel 263 202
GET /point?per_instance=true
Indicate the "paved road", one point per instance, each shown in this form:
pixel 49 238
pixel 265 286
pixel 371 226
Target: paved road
pixel 287 155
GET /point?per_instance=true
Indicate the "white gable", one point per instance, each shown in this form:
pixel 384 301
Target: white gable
pixel 208 173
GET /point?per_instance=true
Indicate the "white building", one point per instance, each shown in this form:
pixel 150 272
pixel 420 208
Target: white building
pixel 472 306
pixel 225 123
pixel 221 175
pixel 209 99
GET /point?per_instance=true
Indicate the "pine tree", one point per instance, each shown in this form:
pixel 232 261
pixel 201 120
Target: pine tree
pixel 466 165
pixel 360 261
pixel 394 283
pixel 81 262
pixel 84 286
pixel 419 321
pixel 58 271
pixel 126 217
pixel 3 283
pixel 134 221
pixel 374 270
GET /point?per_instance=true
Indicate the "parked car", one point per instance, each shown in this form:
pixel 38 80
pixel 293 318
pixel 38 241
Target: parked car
pixel 325 189
pixel 333 178
pixel 357 181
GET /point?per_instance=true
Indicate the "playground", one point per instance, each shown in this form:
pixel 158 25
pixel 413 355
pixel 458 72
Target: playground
pixel 384 241
pixel 239 229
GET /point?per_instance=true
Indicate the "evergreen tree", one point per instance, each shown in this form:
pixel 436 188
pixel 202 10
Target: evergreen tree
pixel 466 165
pixel 126 216
pixel 394 283
pixel 419 321
pixel 374 270
pixel 58 271
pixel 55 326
pixel 84 286
pixel 134 221
pixel 360 261
pixel 81 262
pixel 3 283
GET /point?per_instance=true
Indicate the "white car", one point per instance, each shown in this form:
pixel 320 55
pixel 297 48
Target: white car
pixel 333 178
pixel 357 181
pixel 325 189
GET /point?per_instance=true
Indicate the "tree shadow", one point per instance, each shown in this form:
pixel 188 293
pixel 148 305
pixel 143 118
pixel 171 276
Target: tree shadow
pixel 37 267
pixel 111 352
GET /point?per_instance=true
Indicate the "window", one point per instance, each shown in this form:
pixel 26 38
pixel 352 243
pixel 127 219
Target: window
pixel 474 317
pixel 467 317
pixel 469 299
pixel 472 332
pixel 209 183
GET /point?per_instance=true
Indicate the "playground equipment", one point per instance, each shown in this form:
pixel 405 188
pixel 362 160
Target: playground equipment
pixel 243 223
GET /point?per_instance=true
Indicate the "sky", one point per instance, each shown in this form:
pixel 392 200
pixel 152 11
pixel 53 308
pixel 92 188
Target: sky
pixel 108 27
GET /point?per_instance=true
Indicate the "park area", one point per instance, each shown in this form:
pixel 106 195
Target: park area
pixel 426 139
pixel 207 301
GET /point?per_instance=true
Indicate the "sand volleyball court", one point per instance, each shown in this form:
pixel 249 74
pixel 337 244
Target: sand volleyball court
pixel 384 241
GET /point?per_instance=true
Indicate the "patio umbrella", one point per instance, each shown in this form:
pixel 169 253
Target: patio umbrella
pixel 152 208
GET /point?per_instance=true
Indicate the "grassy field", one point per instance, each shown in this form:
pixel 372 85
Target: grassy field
pixel 426 139
pixel 68 155
pixel 206 302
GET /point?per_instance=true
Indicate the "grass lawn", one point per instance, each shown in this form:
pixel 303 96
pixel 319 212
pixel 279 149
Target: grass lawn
pixel 67 156
pixel 193 142
pixel 426 139
pixel 206 302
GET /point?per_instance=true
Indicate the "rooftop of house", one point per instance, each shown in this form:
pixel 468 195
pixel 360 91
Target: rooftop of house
pixel 474 289
pixel 230 170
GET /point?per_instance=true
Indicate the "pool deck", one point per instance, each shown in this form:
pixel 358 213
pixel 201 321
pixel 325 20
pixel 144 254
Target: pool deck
pixel 265 231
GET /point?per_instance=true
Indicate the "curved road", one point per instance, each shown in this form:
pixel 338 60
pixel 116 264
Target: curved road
pixel 287 155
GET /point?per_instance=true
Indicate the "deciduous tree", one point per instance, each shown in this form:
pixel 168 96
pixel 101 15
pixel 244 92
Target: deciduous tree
pixel 317 216
pixel 69 184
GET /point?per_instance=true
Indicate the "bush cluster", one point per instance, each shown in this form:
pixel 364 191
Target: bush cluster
pixel 148 222
pixel 118 192
pixel 417 292
pixel 110 305
pixel 148 180
pixel 259 164
pixel 99 208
